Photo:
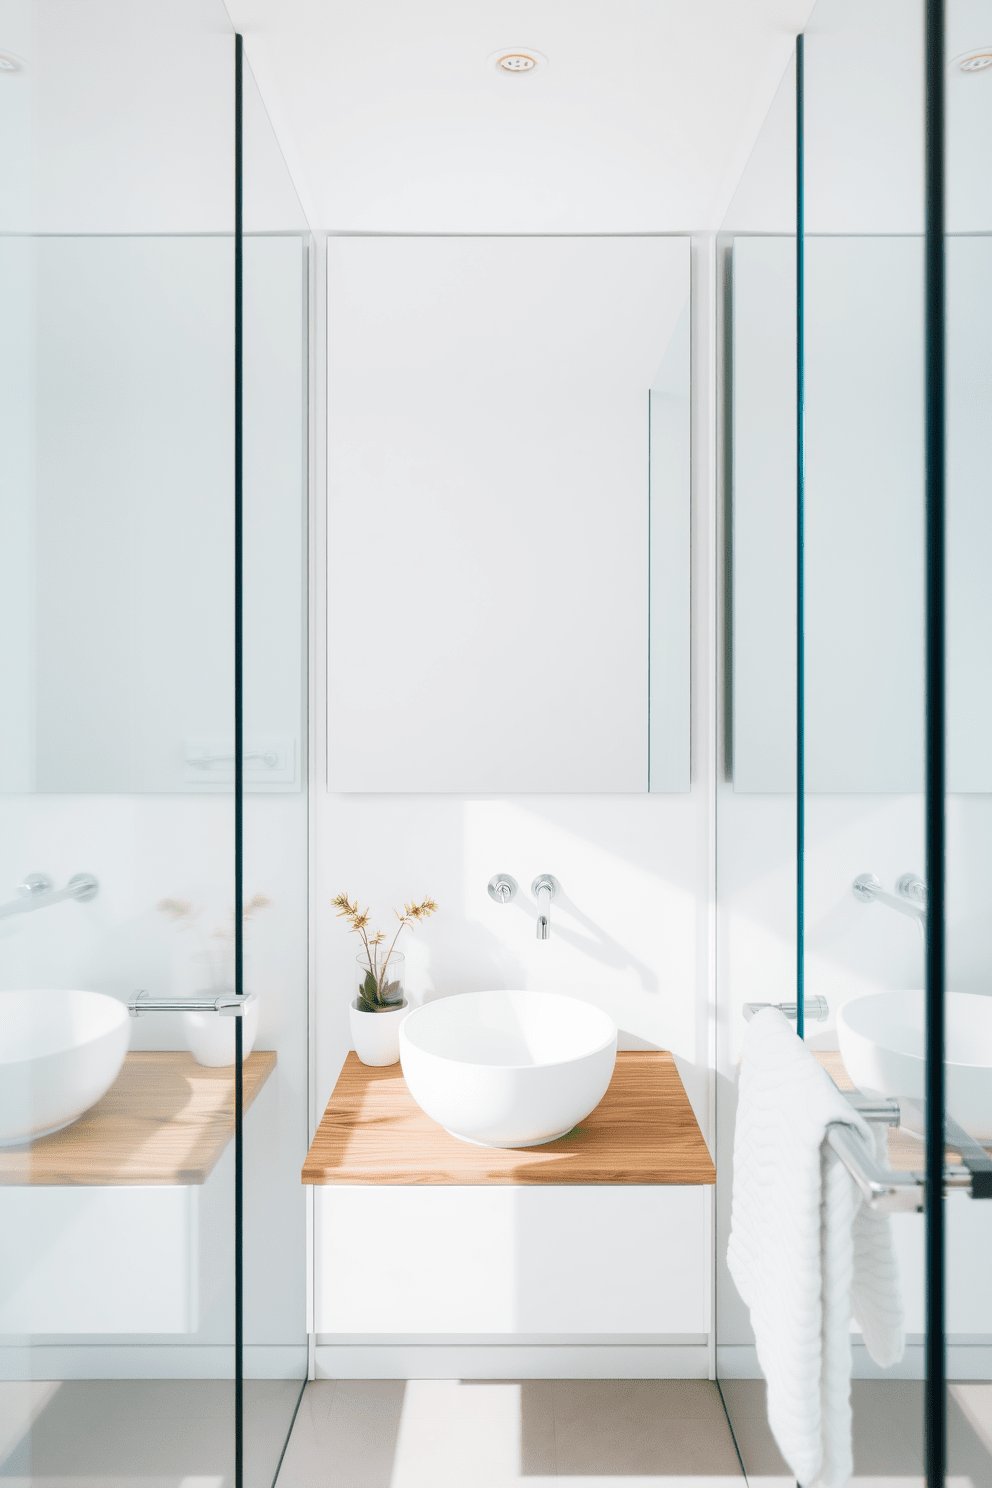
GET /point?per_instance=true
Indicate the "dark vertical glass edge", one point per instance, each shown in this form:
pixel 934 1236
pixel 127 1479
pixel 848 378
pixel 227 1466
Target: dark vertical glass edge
pixel 936 1364
pixel 238 768
pixel 800 553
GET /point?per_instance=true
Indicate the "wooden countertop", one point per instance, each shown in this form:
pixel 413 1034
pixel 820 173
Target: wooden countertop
pixel 165 1119
pixel 906 1151
pixel 642 1131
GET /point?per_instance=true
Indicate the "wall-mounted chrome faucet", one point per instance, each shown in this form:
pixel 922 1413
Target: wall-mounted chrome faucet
pixel 38 891
pixel 544 888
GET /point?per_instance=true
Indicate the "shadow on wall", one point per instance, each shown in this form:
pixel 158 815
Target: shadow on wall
pixel 490 963
pixel 599 945
pixel 468 959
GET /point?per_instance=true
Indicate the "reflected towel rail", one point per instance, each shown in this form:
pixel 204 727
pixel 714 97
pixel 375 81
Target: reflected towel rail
pixel 228 1004
pixel 815 1009
pixel 890 1192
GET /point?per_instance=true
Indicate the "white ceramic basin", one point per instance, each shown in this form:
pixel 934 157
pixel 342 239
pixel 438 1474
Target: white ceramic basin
pixel 883 1045
pixel 59 1052
pixel 508 1069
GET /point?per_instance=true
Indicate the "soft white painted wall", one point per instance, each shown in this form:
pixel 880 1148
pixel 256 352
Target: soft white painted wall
pixel 631 930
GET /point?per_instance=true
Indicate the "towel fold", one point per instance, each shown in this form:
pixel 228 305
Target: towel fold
pixel 805 1252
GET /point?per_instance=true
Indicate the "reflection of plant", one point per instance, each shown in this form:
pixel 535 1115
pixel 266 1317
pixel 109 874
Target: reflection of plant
pixel 377 994
pixel 216 946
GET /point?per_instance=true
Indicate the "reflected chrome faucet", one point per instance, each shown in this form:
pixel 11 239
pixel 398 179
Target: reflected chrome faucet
pixel 544 888
pixel 910 897
pixel 38 891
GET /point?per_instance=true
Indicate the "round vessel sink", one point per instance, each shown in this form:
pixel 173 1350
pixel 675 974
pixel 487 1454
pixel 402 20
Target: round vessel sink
pixel 59 1052
pixel 883 1043
pixel 508 1069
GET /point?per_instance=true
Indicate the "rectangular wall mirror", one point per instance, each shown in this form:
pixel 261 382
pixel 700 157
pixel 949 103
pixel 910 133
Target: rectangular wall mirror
pixel 864 514
pixel 116 570
pixel 508 452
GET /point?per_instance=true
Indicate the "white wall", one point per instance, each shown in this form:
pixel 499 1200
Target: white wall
pixel 631 930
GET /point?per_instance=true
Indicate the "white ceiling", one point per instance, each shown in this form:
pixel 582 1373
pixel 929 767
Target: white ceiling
pixel 864 126
pixel 392 119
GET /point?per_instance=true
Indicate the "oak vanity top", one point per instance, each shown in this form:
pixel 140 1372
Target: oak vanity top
pixel 642 1131
pixel 165 1119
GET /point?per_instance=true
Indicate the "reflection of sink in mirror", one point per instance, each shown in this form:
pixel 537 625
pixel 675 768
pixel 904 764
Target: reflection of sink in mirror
pixel 508 1069
pixel 59 1052
pixel 883 1046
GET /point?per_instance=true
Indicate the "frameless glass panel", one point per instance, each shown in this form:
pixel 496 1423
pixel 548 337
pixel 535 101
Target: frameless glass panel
pixel 116 861
pixel 756 832
pixel 276 286
pixel 968 671
pixel 864 643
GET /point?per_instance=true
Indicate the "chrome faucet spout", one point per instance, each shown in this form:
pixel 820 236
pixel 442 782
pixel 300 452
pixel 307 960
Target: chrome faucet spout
pixel 544 888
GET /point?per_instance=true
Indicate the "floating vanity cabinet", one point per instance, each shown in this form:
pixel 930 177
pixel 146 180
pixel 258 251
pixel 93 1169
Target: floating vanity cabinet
pixel 122 1222
pixel 604 1232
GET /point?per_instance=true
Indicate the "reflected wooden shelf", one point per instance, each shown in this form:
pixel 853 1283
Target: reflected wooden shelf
pixel 642 1131
pixel 165 1119
pixel 906 1152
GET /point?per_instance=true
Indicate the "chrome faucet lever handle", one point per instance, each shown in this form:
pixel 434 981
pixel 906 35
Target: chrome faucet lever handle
pixel 502 888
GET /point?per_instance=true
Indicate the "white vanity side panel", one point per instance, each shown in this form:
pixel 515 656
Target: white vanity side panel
pixel 99 1260
pixel 484 1260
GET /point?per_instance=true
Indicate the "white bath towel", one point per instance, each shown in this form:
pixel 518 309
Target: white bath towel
pixel 804 1250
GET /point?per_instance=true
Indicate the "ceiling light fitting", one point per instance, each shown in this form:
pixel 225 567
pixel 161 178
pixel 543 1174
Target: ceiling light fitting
pixel 978 60
pixel 10 63
pixel 517 59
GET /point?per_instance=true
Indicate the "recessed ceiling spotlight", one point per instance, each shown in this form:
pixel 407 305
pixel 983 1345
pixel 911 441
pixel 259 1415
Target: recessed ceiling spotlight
pixel 10 63
pixel 978 60
pixel 517 59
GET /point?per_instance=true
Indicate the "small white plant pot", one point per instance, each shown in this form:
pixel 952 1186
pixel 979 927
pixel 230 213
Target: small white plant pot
pixel 210 1036
pixel 376 1036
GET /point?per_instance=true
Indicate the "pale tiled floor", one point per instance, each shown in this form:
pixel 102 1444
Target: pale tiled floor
pixel 491 1434
pixel 888 1434
pixel 139 1433
pixel 602 1434
pixel 457 1434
